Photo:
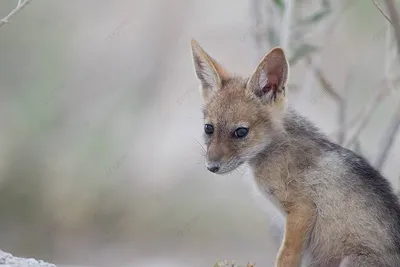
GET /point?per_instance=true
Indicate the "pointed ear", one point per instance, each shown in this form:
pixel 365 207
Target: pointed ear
pixel 209 72
pixel 269 79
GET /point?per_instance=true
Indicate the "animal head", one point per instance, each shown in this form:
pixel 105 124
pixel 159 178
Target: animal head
pixel 242 115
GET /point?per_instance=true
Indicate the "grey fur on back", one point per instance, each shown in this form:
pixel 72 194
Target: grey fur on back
pixel 357 211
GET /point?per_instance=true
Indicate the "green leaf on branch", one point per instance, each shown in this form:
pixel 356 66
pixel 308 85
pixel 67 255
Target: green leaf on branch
pixel 280 4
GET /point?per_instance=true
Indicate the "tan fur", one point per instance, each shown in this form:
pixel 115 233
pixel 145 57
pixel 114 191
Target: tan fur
pixel 232 96
pixel 337 206
pixel 277 177
pixel 300 215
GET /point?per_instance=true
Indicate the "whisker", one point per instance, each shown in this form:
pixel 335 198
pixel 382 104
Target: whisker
pixel 198 151
pixel 201 146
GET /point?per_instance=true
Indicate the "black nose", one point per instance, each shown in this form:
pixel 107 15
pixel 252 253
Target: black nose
pixel 213 168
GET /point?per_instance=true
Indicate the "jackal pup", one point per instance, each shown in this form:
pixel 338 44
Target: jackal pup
pixel 339 210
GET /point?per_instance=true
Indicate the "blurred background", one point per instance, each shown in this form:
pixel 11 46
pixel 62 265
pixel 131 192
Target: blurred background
pixel 101 160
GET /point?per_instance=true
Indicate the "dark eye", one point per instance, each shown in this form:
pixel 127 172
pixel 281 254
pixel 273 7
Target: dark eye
pixel 241 132
pixel 208 129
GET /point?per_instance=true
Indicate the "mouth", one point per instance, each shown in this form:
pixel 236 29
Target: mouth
pixel 222 172
pixel 228 168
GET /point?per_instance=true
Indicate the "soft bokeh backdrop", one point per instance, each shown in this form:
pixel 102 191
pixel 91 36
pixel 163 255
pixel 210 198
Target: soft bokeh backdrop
pixel 101 131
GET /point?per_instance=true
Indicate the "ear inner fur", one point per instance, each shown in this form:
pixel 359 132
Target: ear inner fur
pixel 270 77
pixel 199 57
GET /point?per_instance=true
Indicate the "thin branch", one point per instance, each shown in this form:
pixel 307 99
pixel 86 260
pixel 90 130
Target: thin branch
pixel 316 62
pixel 363 113
pixel 19 7
pixel 309 77
pixel 388 140
pixel 342 116
pixel 340 100
pixel 394 18
pixel 393 127
pixel 371 107
pixel 315 71
pixel 327 86
pixel 286 24
pixel 388 55
pixel 380 10
pixel 331 25
pixel 350 124
pixel 366 114
pixel 362 118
